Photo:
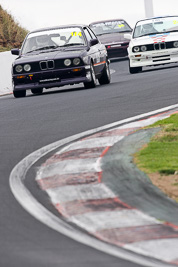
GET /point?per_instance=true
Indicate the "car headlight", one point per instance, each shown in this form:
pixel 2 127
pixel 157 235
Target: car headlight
pixel 27 67
pixel 18 68
pixel 143 48
pixel 76 61
pixel 67 62
pixel 136 49
pixel 175 44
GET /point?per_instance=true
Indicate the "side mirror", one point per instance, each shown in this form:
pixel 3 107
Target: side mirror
pixel 94 42
pixel 128 36
pixel 15 51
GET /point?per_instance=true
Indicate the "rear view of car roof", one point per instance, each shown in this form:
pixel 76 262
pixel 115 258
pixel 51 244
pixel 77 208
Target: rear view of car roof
pixel 101 21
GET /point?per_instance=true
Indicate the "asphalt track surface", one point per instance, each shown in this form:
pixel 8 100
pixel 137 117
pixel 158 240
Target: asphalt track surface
pixel 30 123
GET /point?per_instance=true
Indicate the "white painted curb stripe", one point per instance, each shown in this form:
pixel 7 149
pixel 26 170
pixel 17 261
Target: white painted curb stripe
pixel 161 249
pixel 97 221
pixel 68 167
pixel 81 192
pixel 143 123
pixel 94 142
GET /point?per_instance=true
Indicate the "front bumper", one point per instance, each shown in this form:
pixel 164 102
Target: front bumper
pixel 51 78
pixel 152 58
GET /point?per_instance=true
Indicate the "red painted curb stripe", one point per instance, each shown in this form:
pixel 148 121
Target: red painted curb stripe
pixel 127 235
pixel 77 207
pixel 104 152
pixel 101 156
pixel 68 179
pixel 172 225
pixel 174 262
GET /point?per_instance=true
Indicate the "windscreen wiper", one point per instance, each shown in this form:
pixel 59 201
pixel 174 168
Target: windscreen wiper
pixel 151 33
pixel 125 31
pixel 173 31
pixel 70 44
pixel 104 33
pixel 112 32
pixel 43 48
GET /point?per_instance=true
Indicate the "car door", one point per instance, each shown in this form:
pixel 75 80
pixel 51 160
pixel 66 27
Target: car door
pixel 102 52
pixel 93 52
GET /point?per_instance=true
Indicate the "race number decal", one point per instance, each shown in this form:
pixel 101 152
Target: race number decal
pixel 76 33
pixel 121 25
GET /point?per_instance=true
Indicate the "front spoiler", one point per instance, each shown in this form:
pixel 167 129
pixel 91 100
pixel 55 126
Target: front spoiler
pixel 153 59
pixel 48 76
pixel 72 81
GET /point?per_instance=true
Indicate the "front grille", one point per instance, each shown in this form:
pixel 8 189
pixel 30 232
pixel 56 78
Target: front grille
pixel 158 60
pixel 159 46
pixel 43 65
pixel 161 56
pixel 50 64
pixel 47 65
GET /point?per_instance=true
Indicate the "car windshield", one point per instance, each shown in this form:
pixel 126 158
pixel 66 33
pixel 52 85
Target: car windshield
pixel 156 26
pixel 108 27
pixel 53 39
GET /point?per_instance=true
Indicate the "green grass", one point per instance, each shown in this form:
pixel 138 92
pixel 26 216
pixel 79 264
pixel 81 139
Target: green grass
pixel 161 154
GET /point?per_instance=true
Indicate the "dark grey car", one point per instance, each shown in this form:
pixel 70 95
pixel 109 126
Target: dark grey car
pixel 58 56
pixel 111 34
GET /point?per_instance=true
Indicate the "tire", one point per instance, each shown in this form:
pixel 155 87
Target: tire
pixel 18 94
pixel 106 76
pixel 134 70
pixel 93 82
pixel 37 91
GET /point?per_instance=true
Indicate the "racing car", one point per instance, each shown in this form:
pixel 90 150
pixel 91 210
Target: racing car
pixel 154 41
pixel 58 56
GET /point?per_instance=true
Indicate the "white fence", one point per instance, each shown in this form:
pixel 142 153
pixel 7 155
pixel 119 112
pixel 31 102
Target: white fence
pixel 6 60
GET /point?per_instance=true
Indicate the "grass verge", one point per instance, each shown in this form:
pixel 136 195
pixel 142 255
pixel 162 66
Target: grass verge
pixel 159 158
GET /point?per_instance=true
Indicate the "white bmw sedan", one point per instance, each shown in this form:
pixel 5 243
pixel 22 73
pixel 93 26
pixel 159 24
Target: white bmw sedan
pixel 154 41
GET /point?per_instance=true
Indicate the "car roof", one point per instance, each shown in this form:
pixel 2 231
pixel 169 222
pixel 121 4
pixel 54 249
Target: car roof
pixel 59 27
pixel 160 17
pixel 100 21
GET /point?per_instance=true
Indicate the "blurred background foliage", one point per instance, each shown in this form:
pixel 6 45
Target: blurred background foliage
pixel 11 33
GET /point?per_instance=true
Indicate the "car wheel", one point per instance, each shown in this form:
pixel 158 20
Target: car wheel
pixel 134 70
pixel 37 91
pixel 106 76
pixel 18 94
pixel 93 82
